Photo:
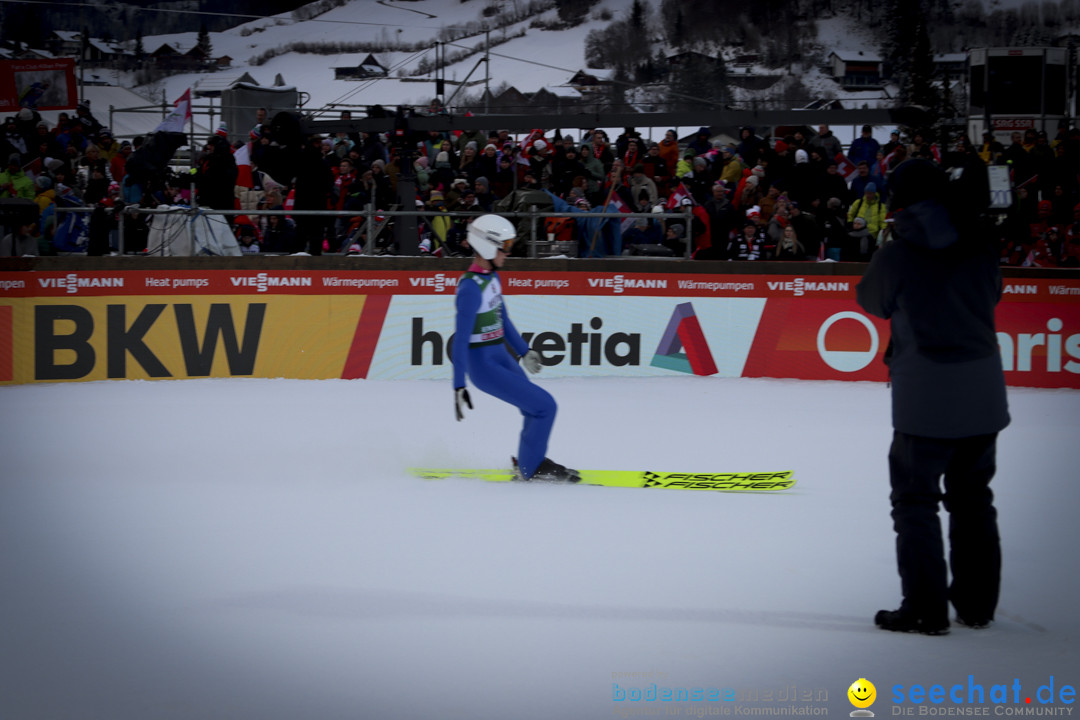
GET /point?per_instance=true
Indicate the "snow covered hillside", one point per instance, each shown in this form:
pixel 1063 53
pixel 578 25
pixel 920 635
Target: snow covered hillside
pixel 530 59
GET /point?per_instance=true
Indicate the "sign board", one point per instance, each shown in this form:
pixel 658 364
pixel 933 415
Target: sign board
pixel 47 84
pixel 399 325
pixel 1000 187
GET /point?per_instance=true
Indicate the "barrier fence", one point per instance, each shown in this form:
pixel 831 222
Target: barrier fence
pixel 539 244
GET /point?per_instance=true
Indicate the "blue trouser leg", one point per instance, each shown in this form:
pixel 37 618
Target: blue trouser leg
pixel 493 370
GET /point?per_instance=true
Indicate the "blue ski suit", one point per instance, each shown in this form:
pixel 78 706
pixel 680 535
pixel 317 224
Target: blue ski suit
pixel 482 330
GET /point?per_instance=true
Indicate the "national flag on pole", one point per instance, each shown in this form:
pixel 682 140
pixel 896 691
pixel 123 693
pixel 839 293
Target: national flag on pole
pixel 179 117
pixel 619 205
pixel 675 199
pixel 242 156
pixel 845 167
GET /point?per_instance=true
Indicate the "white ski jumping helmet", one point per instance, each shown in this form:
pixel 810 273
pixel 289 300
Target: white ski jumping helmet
pixel 489 233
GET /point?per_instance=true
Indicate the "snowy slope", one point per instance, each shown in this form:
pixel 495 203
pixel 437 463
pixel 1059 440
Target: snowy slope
pixel 561 53
pixel 539 59
pixel 255 549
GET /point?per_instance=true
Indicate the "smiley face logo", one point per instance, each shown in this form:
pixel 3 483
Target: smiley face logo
pixel 862 693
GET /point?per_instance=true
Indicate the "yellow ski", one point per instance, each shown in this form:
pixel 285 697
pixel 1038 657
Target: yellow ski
pixel 719 482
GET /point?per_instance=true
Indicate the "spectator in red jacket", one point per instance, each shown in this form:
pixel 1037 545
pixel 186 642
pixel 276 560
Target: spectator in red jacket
pixel 117 166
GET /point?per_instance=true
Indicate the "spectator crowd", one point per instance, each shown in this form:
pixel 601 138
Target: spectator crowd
pixel 802 196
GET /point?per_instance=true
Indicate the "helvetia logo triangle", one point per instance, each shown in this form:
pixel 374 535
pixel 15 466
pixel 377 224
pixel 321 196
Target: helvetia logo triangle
pixel 683 347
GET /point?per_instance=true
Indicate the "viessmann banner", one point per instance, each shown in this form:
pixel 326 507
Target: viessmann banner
pixel 399 325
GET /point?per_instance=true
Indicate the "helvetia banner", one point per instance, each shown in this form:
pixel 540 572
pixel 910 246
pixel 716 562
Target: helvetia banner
pixel 399 325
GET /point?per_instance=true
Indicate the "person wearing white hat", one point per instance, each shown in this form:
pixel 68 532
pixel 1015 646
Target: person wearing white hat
pixel 482 331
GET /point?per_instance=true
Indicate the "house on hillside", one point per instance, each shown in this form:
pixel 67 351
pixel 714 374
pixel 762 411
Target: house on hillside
pixel 594 85
pixel 68 43
pixel 591 79
pixel 102 52
pixel 950 65
pixel 511 99
pixel 170 58
pixel 369 67
pixel 166 57
pixel 855 69
pixel 197 59
pixel 18 51
pixel 213 85
pixel 556 97
pixel 64 43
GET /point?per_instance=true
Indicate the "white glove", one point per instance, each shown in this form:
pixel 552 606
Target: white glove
pixel 532 361
pixel 461 399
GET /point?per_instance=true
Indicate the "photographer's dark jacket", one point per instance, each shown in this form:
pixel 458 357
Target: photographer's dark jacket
pixel 939 288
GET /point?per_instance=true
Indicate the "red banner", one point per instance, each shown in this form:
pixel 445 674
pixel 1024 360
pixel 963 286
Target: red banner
pixel 38 84
pixel 794 326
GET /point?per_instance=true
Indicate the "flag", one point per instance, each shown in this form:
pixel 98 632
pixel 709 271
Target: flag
pixel 242 156
pixel 531 138
pixel 887 161
pixel 34 168
pixel 936 152
pixel 619 205
pixel 179 117
pixel 675 199
pixel 845 167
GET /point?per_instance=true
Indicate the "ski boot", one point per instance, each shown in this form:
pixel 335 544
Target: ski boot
pixel 549 471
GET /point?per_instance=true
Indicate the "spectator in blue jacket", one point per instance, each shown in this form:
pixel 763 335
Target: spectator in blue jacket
pixel 597 236
pixel 864 177
pixel 701 143
pixel 864 148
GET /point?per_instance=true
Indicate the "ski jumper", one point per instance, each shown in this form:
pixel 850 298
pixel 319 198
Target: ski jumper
pixel 481 330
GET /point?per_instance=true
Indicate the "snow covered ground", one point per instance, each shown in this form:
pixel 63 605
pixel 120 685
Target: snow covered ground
pixel 256 549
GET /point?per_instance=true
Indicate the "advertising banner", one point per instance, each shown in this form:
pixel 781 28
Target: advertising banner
pixel 399 325
pixel 54 339
pixel 38 84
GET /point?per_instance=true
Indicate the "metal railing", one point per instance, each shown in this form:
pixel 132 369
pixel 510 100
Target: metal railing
pixel 537 239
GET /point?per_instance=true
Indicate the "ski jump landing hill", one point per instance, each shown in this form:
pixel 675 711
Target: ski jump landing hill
pixel 76 319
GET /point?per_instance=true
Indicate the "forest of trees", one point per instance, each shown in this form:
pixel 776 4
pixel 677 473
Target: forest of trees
pixel 783 32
